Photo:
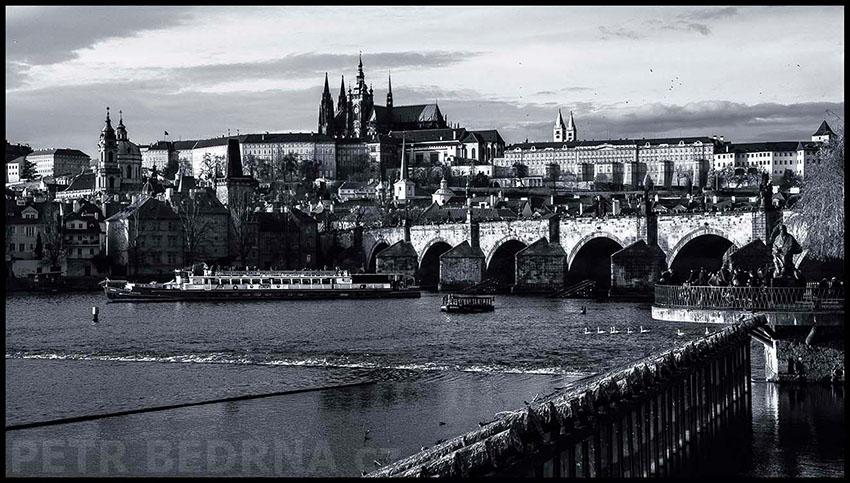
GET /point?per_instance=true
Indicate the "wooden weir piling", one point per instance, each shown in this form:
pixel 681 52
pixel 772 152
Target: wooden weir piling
pixel 656 417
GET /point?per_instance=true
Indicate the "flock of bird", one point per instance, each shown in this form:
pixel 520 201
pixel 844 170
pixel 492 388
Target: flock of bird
pixel 641 330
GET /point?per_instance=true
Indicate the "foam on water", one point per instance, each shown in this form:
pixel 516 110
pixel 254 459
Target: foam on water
pixel 347 363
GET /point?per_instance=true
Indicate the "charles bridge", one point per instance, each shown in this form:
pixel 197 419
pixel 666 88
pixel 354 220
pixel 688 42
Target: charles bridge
pixel 623 253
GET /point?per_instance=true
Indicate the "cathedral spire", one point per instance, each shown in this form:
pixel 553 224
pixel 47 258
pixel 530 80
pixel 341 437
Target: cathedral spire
pixel 360 65
pixel 341 101
pixel 327 90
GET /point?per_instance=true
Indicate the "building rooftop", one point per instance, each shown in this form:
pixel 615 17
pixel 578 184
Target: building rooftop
pixel 60 152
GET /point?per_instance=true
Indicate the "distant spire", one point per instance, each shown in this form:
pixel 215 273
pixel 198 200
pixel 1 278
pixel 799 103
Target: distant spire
pixel 559 122
pixel 327 89
pixel 120 118
pixel 571 122
pixel 389 90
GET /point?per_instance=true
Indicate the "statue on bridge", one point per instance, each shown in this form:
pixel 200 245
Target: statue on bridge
pixel 765 193
pixel 647 201
pixel 783 246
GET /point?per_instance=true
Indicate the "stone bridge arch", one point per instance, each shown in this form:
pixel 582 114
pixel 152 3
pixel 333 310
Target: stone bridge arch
pixel 488 256
pixel 421 253
pixel 377 245
pixel 704 230
pixel 587 239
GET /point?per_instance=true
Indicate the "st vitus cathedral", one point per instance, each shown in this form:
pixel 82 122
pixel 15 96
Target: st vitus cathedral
pixel 357 116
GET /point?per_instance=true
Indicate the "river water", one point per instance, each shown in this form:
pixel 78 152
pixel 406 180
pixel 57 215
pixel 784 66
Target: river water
pixel 425 376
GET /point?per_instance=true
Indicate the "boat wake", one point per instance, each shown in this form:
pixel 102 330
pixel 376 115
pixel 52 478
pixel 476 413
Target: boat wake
pixel 317 362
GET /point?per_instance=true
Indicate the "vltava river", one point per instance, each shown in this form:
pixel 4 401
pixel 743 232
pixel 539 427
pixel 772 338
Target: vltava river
pixel 430 376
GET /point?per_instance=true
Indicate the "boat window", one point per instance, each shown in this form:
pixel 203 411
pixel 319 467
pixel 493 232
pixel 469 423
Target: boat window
pixel 246 281
pixel 255 281
pixel 276 281
pixel 266 281
pixel 285 281
pixel 305 281
pixel 316 281
pixel 326 281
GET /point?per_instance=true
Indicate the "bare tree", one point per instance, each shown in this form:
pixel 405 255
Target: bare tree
pixel 243 227
pixel 819 214
pixel 133 236
pixel 211 168
pixel 196 226
pixel 53 248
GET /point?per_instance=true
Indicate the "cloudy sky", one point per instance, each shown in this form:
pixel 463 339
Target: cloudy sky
pixel 748 73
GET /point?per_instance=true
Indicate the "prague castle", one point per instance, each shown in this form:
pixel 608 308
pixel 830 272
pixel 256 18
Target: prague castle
pixel 357 116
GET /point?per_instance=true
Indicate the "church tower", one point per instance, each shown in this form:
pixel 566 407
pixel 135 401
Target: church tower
pixel 234 186
pixel 108 175
pixel 572 134
pixel 326 111
pixel 560 130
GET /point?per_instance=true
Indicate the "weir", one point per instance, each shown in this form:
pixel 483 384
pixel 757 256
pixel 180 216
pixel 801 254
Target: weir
pixel 646 419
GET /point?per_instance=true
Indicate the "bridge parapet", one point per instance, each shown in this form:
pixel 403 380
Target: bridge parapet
pixel 665 402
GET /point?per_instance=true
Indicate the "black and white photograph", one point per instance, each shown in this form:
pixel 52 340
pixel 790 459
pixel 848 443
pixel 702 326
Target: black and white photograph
pixel 358 241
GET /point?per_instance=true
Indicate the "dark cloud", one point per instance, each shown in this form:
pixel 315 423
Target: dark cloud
pixel 620 32
pixel 48 35
pixel 712 13
pixel 306 65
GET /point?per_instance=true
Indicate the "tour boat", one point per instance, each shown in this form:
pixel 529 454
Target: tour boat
pixel 467 303
pixel 266 285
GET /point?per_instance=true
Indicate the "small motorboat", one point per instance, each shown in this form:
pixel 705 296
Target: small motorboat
pixel 643 331
pixel 614 330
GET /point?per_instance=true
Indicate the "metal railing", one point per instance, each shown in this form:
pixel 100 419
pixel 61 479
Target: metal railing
pixel 750 298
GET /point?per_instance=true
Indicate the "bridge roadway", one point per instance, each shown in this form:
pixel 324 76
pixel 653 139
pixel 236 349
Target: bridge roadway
pixel 674 233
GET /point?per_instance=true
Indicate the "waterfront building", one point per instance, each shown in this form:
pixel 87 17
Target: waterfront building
pixel 58 162
pixel 84 239
pixel 288 239
pixel 26 220
pixel 204 219
pixel 145 238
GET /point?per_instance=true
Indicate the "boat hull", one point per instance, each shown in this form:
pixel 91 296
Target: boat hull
pixel 466 310
pixel 144 294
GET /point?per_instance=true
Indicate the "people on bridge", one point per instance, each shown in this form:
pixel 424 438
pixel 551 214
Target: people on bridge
pixel 702 277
